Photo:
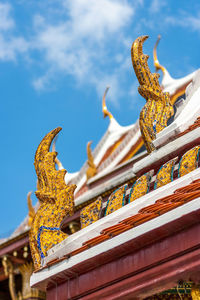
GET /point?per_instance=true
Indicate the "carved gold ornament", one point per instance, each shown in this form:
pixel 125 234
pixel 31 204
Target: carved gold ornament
pixel 106 113
pixel 92 170
pixel 56 201
pixel 31 210
pixel 155 57
pixel 158 109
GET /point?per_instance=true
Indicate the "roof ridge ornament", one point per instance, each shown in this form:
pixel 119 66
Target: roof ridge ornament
pixel 92 170
pixel 56 201
pixel 57 161
pixel 31 210
pixel 157 65
pixel 158 108
pixel 106 112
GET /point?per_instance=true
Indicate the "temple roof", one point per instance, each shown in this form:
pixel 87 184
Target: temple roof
pixel 145 214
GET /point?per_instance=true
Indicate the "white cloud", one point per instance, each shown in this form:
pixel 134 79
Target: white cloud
pixel 6 22
pixel 96 19
pixel 10 45
pixel 185 20
pixel 156 5
pixel 77 45
pixel 10 48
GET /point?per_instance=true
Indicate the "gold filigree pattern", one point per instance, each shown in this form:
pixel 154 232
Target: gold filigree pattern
pixel 189 161
pixel 116 200
pixel 165 174
pixel 140 187
pixel 91 213
pixel 56 201
pixel 92 170
pixel 158 109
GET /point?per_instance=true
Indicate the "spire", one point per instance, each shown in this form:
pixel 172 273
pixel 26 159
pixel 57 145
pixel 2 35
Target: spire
pixel 104 107
pixel 92 170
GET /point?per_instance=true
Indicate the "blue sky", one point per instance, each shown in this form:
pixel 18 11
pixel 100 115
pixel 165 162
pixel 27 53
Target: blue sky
pixel 57 57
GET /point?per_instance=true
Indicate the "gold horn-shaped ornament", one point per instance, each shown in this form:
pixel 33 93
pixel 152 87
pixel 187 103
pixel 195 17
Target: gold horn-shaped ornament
pixel 92 170
pixel 44 166
pixel 155 57
pixel 106 113
pixel 31 210
pixel 158 109
pixel 56 201
pixel 57 161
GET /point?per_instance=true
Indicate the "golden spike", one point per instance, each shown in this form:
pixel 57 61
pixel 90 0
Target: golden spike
pixel 31 210
pixel 155 57
pixel 104 107
pixel 57 161
pixel 92 170
pixel 158 109
pixel 57 201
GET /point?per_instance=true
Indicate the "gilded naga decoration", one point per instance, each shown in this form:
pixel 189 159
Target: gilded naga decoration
pixel 158 108
pixel 92 170
pixel 56 201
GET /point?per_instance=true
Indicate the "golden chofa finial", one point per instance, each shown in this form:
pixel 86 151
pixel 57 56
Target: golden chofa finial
pixel 56 201
pixel 57 161
pixel 92 170
pixel 104 107
pixel 155 57
pixel 31 210
pixel 158 108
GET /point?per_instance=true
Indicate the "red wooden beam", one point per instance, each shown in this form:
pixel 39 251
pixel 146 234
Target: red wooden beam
pixel 14 246
pixel 159 258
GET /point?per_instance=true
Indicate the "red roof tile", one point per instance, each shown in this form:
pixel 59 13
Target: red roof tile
pixel 161 206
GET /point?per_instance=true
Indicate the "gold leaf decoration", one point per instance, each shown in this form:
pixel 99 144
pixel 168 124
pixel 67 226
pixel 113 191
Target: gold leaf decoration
pixel 31 210
pixel 92 170
pixel 56 201
pixel 158 109
pixel 106 113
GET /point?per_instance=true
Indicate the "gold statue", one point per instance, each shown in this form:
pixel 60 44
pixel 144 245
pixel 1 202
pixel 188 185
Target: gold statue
pixel 92 170
pixel 56 201
pixel 158 108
